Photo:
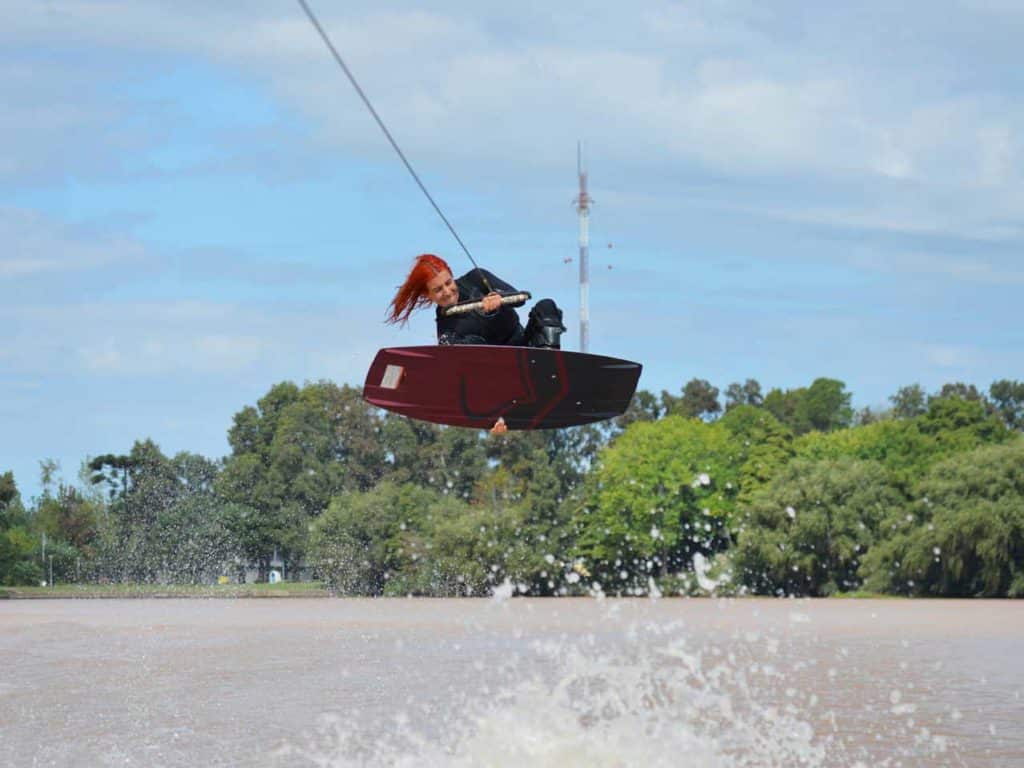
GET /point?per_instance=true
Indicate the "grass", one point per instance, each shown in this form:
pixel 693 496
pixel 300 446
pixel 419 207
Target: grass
pixel 94 591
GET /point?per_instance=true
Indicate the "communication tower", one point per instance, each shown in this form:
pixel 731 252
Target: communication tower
pixel 582 203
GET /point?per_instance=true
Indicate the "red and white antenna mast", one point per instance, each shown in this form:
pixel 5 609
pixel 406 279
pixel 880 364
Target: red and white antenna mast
pixel 583 202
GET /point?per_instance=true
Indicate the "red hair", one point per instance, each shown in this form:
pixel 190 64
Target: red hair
pixel 412 294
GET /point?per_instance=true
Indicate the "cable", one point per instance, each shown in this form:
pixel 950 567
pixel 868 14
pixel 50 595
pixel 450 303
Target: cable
pixel 387 133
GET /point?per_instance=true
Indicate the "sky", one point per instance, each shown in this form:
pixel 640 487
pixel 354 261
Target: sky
pixel 195 204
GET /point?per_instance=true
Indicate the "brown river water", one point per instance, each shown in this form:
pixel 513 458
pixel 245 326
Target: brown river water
pixel 511 682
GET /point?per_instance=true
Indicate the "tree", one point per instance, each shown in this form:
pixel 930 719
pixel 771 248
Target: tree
pixel 164 521
pixel 290 456
pixel 9 496
pixel 257 533
pixel 699 400
pixel 142 485
pixel 824 406
pixel 113 471
pixel 868 415
pixel 907 448
pixel 192 539
pixel 253 429
pixel 747 393
pixel 965 534
pixel 1008 397
pixel 662 492
pixel 960 390
pixel 644 406
pixel 19 553
pixel 20 563
pixel 310 443
pixel 806 531
pixel 764 446
pixel 451 459
pixel 364 539
pixel 69 518
pixel 908 402
pixel 48 469
pixel 782 404
pixel 961 423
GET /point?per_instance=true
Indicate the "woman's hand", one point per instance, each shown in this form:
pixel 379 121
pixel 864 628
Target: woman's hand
pixel 499 428
pixel 491 301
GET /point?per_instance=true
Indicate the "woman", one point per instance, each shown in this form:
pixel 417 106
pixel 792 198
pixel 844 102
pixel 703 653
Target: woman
pixel 430 281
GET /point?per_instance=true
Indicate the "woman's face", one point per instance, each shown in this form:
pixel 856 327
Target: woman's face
pixel 442 290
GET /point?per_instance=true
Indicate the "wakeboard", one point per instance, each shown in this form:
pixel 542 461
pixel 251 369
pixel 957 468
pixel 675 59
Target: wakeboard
pixel 472 385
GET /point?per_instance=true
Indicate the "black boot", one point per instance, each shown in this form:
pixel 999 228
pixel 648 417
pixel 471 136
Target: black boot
pixel 545 328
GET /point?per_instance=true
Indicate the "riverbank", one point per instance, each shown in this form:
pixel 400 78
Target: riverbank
pixel 233 591
pixel 206 591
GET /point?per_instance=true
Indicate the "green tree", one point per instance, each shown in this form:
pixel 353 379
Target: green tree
pixel 783 404
pixel 71 524
pixel 291 454
pixel 48 469
pixel 960 424
pixel 909 402
pixel 908 447
pixel 747 393
pixel 806 531
pixel 258 533
pixel 451 459
pixel 764 446
pixel 660 493
pixel 644 406
pixel 964 536
pixel 535 479
pixel 19 549
pixel 164 521
pixel 113 471
pixel 1008 398
pixel 20 562
pixel 192 540
pixel 469 549
pixel 10 499
pixel 959 389
pixel 365 539
pixel 699 400
pixel 823 406
pixel 142 485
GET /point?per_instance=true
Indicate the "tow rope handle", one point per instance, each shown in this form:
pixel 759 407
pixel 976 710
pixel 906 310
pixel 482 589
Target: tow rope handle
pixel 507 299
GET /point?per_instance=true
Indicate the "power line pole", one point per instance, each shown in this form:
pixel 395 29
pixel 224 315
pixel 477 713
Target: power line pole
pixel 583 202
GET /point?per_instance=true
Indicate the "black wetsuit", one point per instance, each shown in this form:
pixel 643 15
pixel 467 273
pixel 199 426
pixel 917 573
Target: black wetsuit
pixel 501 326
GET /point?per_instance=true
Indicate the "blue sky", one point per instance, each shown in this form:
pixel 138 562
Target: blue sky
pixel 194 204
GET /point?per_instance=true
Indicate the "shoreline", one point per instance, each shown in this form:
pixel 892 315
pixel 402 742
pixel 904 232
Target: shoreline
pixel 306 590
pixel 150 591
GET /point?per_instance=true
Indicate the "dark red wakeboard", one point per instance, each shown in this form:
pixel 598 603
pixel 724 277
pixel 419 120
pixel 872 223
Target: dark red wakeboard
pixel 472 385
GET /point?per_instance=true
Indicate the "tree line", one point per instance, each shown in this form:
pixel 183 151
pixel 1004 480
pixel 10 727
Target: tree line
pixel 789 492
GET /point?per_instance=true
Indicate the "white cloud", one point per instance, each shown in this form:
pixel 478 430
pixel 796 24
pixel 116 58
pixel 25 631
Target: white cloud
pixel 733 90
pixel 144 353
pixel 187 340
pixel 950 356
pixel 450 85
pixel 34 243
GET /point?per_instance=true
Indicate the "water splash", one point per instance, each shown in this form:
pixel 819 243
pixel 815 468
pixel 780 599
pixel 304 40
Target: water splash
pixel 660 703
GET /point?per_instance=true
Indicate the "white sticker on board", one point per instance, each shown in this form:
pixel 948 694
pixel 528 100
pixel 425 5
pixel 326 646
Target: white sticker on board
pixel 392 376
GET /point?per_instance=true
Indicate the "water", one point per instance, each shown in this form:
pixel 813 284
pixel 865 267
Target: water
pixel 511 682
